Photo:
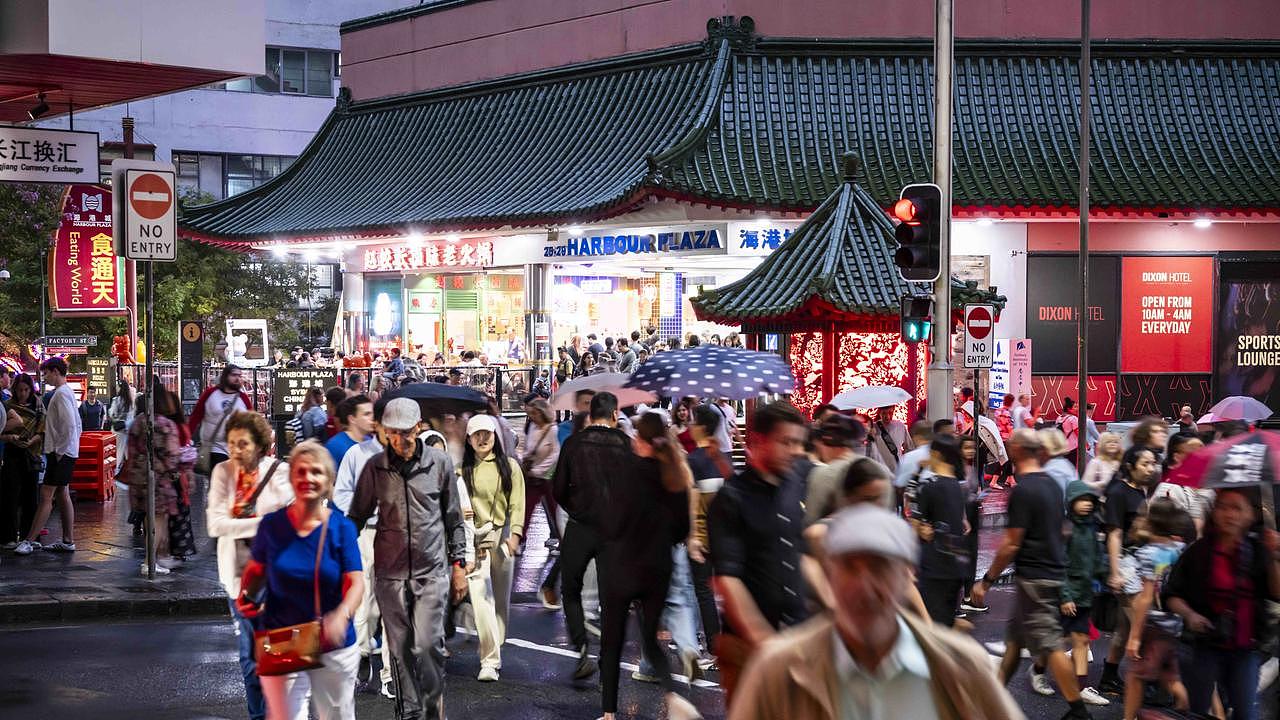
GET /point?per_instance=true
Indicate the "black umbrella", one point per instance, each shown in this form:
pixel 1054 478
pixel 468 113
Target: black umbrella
pixel 437 399
pixel 714 371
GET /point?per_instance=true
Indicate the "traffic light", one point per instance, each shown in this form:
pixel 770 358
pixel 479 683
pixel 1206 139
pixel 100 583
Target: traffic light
pixel 919 214
pixel 917 319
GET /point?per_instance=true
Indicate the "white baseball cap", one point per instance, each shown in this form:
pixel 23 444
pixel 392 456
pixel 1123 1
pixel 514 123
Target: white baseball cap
pixel 401 414
pixel 866 528
pixel 482 422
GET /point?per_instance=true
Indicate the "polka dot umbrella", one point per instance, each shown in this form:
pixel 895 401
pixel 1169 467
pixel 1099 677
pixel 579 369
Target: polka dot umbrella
pixel 713 371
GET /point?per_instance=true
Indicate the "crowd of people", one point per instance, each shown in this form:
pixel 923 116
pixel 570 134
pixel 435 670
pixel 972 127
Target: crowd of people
pixel 832 576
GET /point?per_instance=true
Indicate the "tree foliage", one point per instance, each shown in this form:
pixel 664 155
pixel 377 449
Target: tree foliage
pixel 206 283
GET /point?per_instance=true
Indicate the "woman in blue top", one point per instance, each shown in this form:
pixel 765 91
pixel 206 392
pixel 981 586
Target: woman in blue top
pixel 284 562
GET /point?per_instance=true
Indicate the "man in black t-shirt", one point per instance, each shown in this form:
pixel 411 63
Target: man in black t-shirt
pixel 1033 543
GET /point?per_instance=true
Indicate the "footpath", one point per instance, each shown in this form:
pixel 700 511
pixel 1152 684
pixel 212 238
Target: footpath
pixel 101 580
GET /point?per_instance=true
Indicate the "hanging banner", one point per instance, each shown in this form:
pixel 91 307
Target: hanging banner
pixel 1166 315
pixel 86 279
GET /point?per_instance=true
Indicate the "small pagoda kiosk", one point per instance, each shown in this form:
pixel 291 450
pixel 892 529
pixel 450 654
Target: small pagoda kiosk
pixel 829 299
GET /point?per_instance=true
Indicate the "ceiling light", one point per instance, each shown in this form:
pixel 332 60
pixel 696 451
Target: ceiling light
pixel 453 237
pixel 1203 223
pixel 575 231
pixel 985 222
pixel 40 108
pixel 280 252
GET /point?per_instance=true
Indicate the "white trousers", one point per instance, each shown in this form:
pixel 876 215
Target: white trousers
pixel 368 617
pixel 490 587
pixel 332 687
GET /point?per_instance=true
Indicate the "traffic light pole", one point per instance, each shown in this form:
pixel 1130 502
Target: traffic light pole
pixel 939 379
pixel 1082 318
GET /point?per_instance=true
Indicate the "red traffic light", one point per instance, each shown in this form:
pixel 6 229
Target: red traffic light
pixel 906 211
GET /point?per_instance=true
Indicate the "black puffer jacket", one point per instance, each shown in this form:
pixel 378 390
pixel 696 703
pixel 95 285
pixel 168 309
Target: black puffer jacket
pixel 590 461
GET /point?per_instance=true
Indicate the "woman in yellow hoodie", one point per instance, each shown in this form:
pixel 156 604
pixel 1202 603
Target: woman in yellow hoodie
pixel 496 487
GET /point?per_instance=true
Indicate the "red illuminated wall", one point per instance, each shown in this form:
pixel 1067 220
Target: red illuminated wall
pixel 862 359
pixel 1048 392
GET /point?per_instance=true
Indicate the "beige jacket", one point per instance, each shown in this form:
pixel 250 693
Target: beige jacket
pixel 228 529
pixel 793 676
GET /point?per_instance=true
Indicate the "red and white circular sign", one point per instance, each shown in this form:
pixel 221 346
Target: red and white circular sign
pixel 150 196
pixel 978 322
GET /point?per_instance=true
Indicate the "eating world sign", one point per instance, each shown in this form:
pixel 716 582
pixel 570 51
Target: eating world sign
pixel 86 278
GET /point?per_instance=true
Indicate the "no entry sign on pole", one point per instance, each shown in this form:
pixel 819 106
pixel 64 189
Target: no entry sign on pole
pixel 979 341
pixel 150 230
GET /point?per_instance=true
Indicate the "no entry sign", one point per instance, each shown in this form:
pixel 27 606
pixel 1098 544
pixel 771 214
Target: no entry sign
pixel 150 231
pixel 979 345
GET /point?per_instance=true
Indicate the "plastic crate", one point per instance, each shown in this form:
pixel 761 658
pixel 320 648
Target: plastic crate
pixel 94 473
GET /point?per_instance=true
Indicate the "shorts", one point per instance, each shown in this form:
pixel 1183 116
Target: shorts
pixel 1036 624
pixel 58 469
pixel 1078 623
pixel 1159 662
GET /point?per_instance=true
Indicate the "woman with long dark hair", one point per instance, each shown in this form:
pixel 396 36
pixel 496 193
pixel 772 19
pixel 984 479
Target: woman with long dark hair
pixel 1220 586
pixel 938 516
pixel 650 504
pixel 495 485
pixel 167 466
pixel 120 411
pixel 22 446
pixel 182 539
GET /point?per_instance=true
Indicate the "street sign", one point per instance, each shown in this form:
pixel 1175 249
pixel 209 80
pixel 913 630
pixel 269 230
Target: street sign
pixel 979 345
pixel 42 155
pixel 291 388
pixel 190 363
pixel 69 340
pixel 150 227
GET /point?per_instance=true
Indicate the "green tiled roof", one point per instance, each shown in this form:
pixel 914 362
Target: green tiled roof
pixel 762 124
pixel 840 256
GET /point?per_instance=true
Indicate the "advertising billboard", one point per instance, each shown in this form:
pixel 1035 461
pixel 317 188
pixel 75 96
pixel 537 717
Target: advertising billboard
pixel 1053 295
pixel 1166 315
pixel 86 279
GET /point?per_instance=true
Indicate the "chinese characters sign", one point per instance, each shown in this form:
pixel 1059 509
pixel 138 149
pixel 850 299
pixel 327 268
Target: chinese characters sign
pixel 1167 314
pixel 291 388
pixel 47 156
pixel 428 256
pixel 86 279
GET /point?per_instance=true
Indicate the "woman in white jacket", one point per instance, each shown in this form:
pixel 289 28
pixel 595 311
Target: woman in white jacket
pixel 241 490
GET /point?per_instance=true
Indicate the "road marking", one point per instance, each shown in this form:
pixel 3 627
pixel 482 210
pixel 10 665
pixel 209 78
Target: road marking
pixel 565 652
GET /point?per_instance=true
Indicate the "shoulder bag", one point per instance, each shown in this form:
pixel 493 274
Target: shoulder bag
pixel 294 648
pixel 244 546
pixel 204 459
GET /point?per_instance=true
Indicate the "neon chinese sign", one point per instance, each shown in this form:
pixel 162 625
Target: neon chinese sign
pixel 428 256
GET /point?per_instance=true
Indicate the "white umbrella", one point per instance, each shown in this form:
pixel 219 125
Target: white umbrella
pixel 1239 407
pixel 563 398
pixel 870 396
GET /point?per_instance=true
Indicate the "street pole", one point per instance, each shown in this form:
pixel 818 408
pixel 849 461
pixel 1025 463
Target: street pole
pixel 150 386
pixel 1082 317
pixel 130 266
pixel 939 379
pixel 44 301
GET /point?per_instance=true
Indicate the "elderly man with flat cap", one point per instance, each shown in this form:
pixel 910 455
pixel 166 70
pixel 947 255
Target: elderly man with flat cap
pixel 869 659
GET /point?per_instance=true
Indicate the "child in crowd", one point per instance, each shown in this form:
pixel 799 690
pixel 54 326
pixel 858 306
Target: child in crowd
pixel 1152 648
pixel 1086 568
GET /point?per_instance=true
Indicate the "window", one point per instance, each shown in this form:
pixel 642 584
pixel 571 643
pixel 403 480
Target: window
pixel 223 175
pixel 293 72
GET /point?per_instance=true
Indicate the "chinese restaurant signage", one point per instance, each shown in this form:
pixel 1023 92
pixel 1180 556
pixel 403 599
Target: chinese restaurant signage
pixel 86 279
pixel 1166 315
pixel 427 255
pixel 47 156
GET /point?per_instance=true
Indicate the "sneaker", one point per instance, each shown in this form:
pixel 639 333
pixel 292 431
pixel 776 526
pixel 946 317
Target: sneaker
pixel 680 709
pixel 692 669
pixel 645 677
pixel 1093 697
pixel 586 666
pixel 1039 682
pixel 998 648
pixel 160 569
pixel 708 664
pixel 168 563
pixel 550 600
pixel 10 545
pixel 388 692
pixel 61 546
pixel 961 614
pixel 969 606
pixel 1111 686
pixel 26 547
pixel 488 674
pixel 1090 653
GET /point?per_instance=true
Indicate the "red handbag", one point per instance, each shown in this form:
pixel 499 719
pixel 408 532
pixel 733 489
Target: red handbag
pixel 294 648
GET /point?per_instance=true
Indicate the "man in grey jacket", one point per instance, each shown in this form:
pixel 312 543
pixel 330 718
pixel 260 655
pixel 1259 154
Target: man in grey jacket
pixel 419 554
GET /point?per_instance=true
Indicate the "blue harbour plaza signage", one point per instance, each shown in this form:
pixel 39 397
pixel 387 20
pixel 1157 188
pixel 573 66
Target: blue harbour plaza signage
pixel 592 243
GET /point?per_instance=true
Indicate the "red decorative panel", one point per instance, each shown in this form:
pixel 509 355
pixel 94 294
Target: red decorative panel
pixel 1048 392
pixel 805 357
pixel 873 359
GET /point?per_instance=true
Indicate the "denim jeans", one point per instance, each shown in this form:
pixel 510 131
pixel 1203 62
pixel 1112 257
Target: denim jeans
pixel 681 613
pixel 249 667
pixel 1233 672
